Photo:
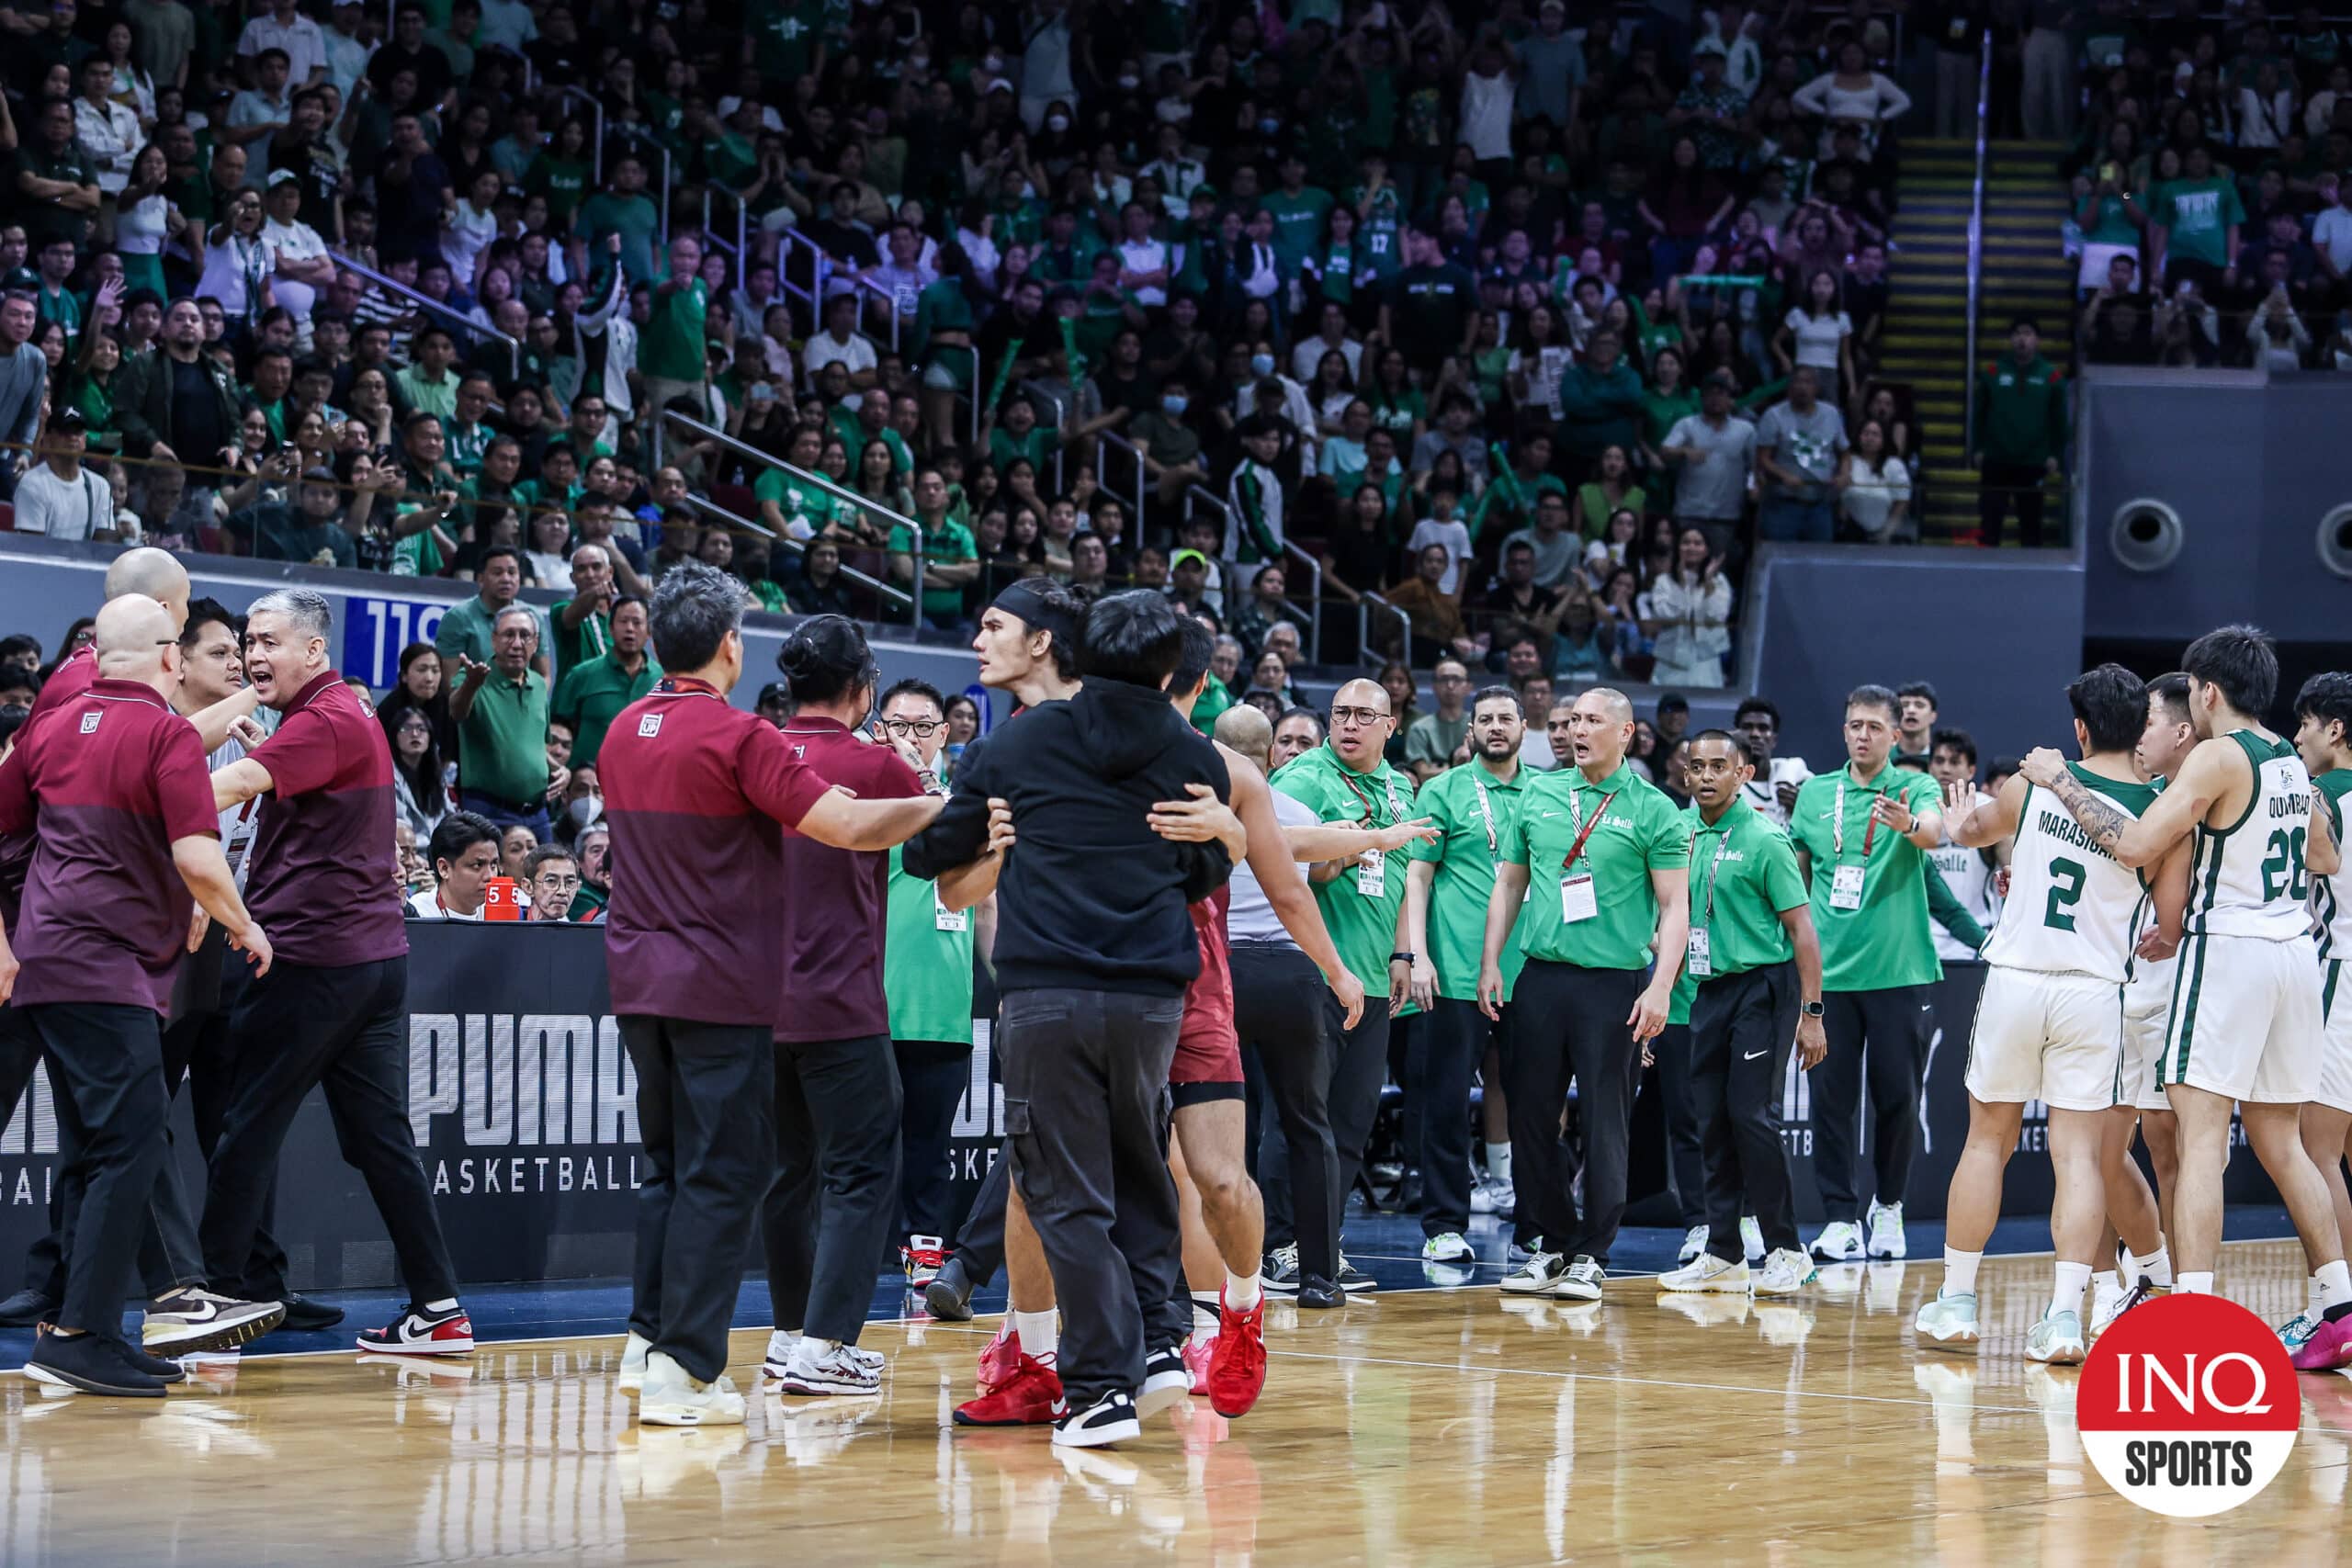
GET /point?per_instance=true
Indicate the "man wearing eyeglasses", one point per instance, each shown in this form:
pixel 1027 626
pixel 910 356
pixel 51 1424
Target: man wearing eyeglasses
pixel 1348 781
pixel 552 876
pixel 592 693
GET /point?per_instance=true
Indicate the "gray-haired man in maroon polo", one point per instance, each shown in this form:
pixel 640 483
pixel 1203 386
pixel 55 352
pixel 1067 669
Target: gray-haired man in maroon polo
pixel 700 792
pixel 114 780
pixel 322 874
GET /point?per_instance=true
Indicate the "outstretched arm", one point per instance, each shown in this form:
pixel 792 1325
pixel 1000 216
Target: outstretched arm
pixel 2140 842
pixel 1977 821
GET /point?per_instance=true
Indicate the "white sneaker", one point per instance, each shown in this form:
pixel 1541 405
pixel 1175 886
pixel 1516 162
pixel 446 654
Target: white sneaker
pixel 783 1342
pixel 1886 1231
pixel 1505 1199
pixel 1537 1276
pixel 1706 1272
pixel 1581 1282
pixel 1840 1241
pixel 1482 1195
pixel 2056 1341
pixel 1751 1239
pixel 2107 1296
pixel 1785 1273
pixel 1450 1247
pixel 633 1353
pixel 822 1367
pixel 1694 1241
pixel 1947 1320
pixel 675 1397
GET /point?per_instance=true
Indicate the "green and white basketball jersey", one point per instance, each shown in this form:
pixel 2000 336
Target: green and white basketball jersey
pixel 2148 987
pixel 2332 896
pixel 2073 909
pixel 2248 879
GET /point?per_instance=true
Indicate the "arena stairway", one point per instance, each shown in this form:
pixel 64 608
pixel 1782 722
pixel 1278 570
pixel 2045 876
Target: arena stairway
pixel 1924 341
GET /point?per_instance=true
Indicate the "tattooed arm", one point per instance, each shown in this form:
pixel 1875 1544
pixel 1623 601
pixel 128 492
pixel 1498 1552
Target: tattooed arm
pixel 2211 770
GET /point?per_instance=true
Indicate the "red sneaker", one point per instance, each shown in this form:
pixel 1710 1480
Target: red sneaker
pixel 1237 1359
pixel 1000 1360
pixel 1030 1397
pixel 1198 1354
pixel 924 1256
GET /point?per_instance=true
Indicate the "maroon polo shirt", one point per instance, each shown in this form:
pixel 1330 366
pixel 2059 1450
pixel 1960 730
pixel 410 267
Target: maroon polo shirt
pixel 68 681
pixel 698 793
pixel 837 901
pixel 108 781
pixel 322 877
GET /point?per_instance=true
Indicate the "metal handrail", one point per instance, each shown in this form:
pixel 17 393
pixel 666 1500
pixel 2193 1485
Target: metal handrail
pixel 1143 475
pixel 464 321
pixel 1976 243
pixel 1062 419
pixel 1312 614
pixel 597 139
pixel 817 481
pixel 797 547
pixel 860 280
pixel 972 399
pixel 1363 621
pixel 821 268
pixel 743 228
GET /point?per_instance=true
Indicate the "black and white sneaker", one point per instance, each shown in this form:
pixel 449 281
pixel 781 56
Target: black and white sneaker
pixel 90 1364
pixel 1166 1382
pixel 1109 1419
pixel 1354 1281
pixel 419 1332
pixel 189 1320
pixel 1280 1276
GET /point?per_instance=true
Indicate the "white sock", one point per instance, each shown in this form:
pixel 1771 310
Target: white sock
pixel 2106 1284
pixel 2156 1266
pixel 1499 1162
pixel 1242 1291
pixel 2196 1282
pixel 1040 1332
pixel 1960 1271
pixel 447 1303
pixel 2334 1283
pixel 2072 1279
pixel 1203 1322
pixel 2311 1296
pixel 816 1346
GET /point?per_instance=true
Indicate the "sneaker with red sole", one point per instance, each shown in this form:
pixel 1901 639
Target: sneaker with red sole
pixel 1236 1373
pixel 925 1257
pixel 1000 1360
pixel 1198 1353
pixel 2329 1348
pixel 420 1332
pixel 1030 1397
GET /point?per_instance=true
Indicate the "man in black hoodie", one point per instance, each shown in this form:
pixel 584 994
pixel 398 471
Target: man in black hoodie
pixel 1095 948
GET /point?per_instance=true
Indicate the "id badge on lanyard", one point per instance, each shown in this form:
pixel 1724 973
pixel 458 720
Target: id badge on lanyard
pixel 946 920
pixel 1580 897
pixel 1846 881
pixel 1371 866
pixel 1699 966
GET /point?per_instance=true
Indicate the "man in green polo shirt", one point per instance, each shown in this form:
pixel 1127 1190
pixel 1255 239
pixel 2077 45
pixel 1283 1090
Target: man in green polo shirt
pixel 501 711
pixel 672 352
pixel 1862 835
pixel 1596 856
pixel 594 692
pixel 951 557
pixel 1348 780
pixel 1446 888
pixel 927 981
pixel 1755 961
pixel 464 634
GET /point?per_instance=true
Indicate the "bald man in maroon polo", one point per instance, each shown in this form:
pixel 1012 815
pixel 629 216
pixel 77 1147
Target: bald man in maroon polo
pixel 113 784
pixel 322 875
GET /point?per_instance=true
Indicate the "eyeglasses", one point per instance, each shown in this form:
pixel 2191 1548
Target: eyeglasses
pixel 922 728
pixel 1362 718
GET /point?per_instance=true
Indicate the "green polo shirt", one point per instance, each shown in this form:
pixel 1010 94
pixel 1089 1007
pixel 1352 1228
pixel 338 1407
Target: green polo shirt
pixel 591 639
pixel 951 544
pixel 591 695
pixel 671 345
pixel 815 508
pixel 1360 906
pixel 503 744
pixel 927 972
pixel 1640 832
pixel 1742 878
pixel 1474 810
pixel 1888 940
pixel 465 627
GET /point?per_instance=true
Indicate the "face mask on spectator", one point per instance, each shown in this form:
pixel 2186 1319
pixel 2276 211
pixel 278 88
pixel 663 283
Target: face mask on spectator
pixel 1174 403
pixel 587 808
pixel 993 64
pixel 1261 365
pixel 1130 83
pixel 1057 123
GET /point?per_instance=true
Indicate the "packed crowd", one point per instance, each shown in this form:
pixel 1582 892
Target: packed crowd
pixel 2212 178
pixel 1079 291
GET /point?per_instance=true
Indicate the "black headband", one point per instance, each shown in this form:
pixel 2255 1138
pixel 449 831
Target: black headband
pixel 1024 601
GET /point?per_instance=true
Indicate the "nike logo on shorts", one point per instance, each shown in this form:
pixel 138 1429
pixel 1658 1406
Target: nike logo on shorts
pixel 1753 1054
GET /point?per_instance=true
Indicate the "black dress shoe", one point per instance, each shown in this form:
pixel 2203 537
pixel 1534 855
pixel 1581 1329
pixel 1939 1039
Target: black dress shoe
pixel 155 1366
pixel 26 1308
pixel 948 1297
pixel 1313 1290
pixel 92 1365
pixel 304 1316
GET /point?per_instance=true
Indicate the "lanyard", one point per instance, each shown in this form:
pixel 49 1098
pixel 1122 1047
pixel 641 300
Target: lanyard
pixel 1363 798
pixel 1487 812
pixel 1714 869
pixel 1837 827
pixel 1575 810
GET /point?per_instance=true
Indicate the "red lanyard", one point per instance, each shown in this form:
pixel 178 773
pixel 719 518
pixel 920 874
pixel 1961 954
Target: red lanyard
pixel 1594 821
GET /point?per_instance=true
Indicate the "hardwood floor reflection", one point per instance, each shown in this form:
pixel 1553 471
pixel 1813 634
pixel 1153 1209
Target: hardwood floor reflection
pixel 1427 1428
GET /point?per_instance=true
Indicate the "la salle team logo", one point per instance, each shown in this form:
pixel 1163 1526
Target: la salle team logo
pixel 2188 1405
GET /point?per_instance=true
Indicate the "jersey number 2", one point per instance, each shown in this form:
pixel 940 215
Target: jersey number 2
pixel 2283 871
pixel 2065 889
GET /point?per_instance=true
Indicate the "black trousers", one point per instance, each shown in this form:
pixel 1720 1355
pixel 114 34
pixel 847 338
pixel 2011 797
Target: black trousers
pixel 1682 1143
pixel 980 1241
pixel 1742 1029
pixel 1087 1110
pixel 1571 1023
pixel 706 1114
pixel 836 1193
pixel 343 1029
pixel 1889 1030
pixel 2002 485
pixel 1447 1047
pixel 1288 1022
pixel 106 1068
pixel 932 1077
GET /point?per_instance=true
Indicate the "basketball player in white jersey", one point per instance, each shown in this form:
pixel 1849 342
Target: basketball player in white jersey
pixel 2245 1009
pixel 1967 873
pixel 2048 1026
pixel 2324 738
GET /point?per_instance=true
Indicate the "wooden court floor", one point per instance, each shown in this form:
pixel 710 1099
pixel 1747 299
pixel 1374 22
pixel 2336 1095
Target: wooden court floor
pixel 1437 1428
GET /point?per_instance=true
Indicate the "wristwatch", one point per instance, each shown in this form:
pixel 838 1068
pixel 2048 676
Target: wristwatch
pixel 1403 957
pixel 1811 1009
